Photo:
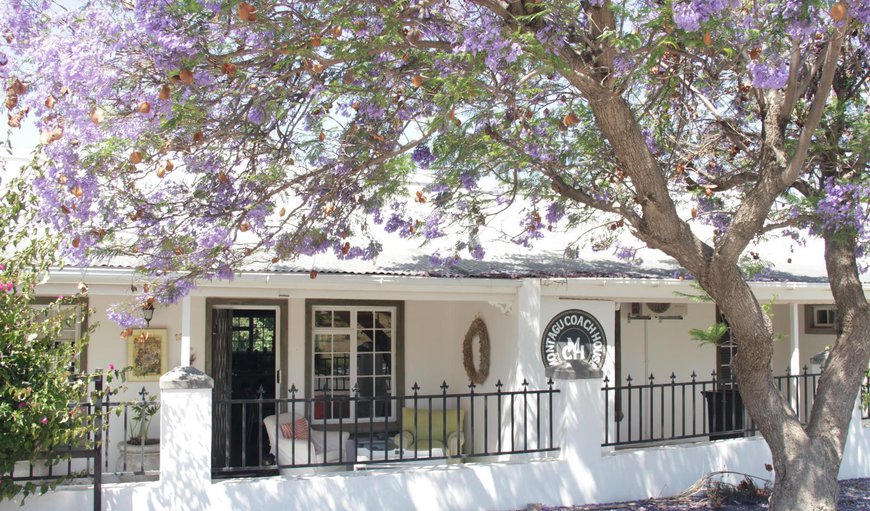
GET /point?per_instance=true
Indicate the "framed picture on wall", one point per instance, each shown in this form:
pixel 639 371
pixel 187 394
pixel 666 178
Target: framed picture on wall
pixel 147 354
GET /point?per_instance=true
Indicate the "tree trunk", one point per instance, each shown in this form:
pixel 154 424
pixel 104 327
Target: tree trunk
pixel 806 479
pixel 806 459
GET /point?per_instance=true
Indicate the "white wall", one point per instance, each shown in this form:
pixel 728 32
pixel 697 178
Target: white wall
pixel 434 335
pixel 433 346
pixel 581 474
pixel 662 347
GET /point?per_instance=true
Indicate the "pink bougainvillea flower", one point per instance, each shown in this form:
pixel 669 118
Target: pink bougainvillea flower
pixel 44 420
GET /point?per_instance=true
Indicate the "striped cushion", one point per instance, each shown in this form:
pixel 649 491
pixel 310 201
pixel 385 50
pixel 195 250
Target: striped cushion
pixel 297 429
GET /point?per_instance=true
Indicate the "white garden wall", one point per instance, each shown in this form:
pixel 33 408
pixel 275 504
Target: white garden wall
pixel 581 474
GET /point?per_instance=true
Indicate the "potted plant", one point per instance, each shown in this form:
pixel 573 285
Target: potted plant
pixel 139 453
pixel 142 413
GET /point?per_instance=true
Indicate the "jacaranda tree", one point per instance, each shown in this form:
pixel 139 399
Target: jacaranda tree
pixel 194 136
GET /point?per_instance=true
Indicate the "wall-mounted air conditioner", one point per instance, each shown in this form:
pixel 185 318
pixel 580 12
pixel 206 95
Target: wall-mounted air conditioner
pixel 659 310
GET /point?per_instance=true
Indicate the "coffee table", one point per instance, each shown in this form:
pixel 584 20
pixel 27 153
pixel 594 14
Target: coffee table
pixel 397 456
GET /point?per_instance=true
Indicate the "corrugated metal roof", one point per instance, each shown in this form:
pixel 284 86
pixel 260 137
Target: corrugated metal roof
pixel 788 260
pixel 535 264
pixel 403 257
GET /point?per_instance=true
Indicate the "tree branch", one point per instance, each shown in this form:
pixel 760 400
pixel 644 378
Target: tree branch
pixel 750 216
pixel 792 87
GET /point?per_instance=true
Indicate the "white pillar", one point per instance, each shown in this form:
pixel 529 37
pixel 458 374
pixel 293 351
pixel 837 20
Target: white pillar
pixel 185 331
pixel 579 435
pixel 529 365
pixel 185 438
pixel 794 363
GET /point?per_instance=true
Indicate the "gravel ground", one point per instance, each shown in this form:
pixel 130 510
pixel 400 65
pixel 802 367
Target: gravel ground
pixel 854 496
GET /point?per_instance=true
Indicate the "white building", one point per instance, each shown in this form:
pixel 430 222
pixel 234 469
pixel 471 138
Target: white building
pixel 357 343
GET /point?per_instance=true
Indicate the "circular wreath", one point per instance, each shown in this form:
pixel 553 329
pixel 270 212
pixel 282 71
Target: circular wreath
pixel 476 374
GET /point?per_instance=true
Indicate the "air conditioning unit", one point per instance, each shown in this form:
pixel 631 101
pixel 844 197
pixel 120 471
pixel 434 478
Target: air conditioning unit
pixel 665 310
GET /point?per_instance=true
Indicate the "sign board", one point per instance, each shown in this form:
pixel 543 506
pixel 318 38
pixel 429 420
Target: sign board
pixel 571 337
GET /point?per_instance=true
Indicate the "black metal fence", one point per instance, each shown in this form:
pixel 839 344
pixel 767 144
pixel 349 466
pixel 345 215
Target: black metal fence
pixel 89 462
pixel 673 411
pixel 383 429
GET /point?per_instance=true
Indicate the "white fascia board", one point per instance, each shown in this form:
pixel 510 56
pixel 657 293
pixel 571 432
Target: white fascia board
pixel 354 294
pixel 115 281
pixel 666 290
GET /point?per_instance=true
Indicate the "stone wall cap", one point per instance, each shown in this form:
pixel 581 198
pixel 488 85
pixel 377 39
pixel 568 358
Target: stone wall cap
pixel 186 377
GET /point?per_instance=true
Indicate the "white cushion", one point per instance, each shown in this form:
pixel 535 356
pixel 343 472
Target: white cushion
pixel 296 452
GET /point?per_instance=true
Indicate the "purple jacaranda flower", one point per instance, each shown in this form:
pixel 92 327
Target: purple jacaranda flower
pixel 555 212
pixel 626 254
pixel 432 228
pixel 256 115
pixel 125 318
pixel 477 252
pixel 842 208
pixel 422 156
pixel 468 181
pixel 623 64
pixel 769 75
pixel 686 17
pixel 650 141
pixel 393 223
pixel 689 15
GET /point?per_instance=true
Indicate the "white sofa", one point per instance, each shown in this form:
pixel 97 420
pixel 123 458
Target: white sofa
pixel 304 452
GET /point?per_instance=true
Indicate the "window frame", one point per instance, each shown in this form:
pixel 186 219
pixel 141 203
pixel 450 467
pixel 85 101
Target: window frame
pixel 398 355
pixel 282 330
pixel 81 325
pixel 810 325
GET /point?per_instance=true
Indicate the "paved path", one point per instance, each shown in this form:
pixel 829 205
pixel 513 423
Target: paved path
pixel 854 496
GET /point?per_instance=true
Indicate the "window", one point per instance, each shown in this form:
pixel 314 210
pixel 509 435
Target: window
pixel 820 319
pixel 253 331
pixel 353 352
pixel 824 317
pixel 74 324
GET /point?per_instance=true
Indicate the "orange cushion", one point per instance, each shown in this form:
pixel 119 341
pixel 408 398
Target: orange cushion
pixel 297 429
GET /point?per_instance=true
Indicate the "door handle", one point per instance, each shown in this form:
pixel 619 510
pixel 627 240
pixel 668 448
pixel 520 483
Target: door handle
pixel 278 376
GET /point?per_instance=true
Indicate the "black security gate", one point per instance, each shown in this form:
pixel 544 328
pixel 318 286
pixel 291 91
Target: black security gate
pixel 244 355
